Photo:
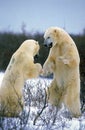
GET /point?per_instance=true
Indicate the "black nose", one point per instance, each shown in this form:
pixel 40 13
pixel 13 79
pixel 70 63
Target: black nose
pixel 45 45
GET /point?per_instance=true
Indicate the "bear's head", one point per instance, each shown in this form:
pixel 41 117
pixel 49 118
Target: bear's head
pixel 30 46
pixel 53 36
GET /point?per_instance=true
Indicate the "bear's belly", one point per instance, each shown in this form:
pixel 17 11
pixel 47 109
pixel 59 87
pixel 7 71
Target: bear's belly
pixel 61 75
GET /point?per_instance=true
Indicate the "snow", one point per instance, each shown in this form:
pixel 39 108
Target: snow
pixel 50 118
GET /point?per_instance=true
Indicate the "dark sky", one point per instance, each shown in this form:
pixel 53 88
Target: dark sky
pixel 38 15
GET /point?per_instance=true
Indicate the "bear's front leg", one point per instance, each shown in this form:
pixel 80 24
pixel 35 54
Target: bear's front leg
pixel 38 69
pixel 34 71
pixel 48 68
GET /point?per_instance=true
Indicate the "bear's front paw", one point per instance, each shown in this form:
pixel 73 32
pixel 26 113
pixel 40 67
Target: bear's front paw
pixel 39 67
pixel 44 73
pixel 64 60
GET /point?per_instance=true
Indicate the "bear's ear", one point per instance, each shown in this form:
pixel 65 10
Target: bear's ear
pixel 36 42
pixel 55 31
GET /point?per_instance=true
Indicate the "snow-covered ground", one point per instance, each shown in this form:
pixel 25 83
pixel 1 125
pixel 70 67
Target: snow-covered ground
pixel 37 114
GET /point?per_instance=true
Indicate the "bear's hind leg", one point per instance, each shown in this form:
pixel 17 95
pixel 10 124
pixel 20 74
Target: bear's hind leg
pixel 53 94
pixel 74 106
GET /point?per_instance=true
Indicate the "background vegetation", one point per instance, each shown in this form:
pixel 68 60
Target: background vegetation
pixel 9 42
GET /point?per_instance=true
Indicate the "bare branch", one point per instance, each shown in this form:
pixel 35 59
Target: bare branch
pixel 45 105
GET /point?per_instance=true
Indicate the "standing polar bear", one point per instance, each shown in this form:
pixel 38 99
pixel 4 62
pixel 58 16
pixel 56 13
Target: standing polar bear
pixel 20 68
pixel 63 62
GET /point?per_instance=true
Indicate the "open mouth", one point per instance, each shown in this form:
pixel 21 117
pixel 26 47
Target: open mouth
pixel 49 46
pixel 36 57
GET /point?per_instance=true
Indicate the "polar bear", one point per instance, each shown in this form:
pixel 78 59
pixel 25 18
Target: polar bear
pixel 20 68
pixel 63 61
